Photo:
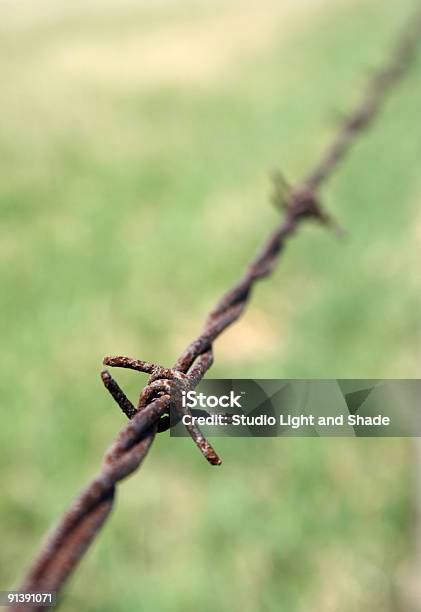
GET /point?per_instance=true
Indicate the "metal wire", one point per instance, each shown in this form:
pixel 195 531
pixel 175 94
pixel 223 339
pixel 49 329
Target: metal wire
pixel 81 523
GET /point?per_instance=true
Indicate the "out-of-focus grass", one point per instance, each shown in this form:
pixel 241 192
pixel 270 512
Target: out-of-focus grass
pixel 135 144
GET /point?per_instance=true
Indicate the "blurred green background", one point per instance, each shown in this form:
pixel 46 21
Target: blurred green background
pixel 136 141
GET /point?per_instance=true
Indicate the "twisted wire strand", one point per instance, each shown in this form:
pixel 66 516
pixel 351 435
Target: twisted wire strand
pixel 66 544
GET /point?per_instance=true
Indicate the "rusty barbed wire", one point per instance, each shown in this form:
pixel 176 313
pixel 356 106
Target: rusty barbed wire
pixel 68 541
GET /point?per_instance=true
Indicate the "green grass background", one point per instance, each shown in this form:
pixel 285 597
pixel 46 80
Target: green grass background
pixel 136 140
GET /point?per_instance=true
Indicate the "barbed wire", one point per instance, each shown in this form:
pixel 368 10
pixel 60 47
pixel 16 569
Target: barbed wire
pixel 81 523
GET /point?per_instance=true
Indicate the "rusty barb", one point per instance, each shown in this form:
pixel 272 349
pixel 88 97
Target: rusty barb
pixel 167 384
pixel 68 541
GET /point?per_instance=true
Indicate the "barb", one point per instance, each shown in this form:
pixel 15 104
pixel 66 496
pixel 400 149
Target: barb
pixel 69 540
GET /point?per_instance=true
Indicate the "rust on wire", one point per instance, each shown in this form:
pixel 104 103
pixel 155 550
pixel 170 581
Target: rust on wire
pixel 81 523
